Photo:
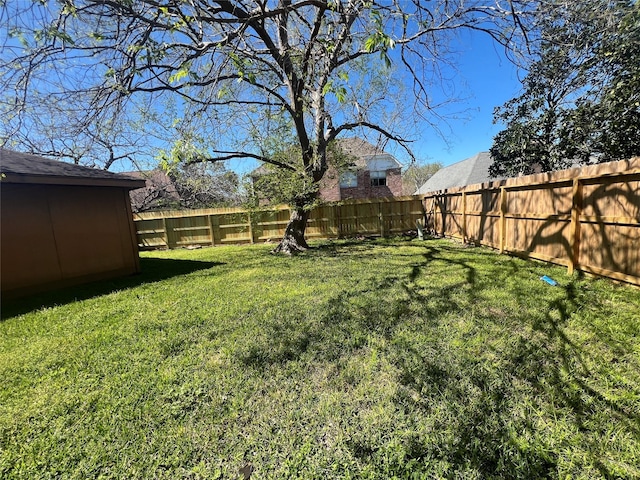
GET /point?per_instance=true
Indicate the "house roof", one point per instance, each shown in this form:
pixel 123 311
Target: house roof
pixel 466 172
pixel 158 188
pixel 17 167
pixel 363 151
pixel 360 149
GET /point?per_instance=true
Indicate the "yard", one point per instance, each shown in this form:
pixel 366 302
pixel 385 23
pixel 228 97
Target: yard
pixel 359 359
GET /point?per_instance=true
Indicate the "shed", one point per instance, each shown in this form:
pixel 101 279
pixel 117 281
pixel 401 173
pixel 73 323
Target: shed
pixel 62 224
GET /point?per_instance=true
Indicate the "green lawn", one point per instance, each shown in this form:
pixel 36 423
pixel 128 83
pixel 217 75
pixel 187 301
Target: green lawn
pixel 365 359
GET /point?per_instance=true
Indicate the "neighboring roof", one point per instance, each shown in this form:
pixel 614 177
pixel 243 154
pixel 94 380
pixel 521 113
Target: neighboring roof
pixel 155 175
pixel 155 179
pixel 17 167
pixel 158 189
pixel 467 172
pixel 358 148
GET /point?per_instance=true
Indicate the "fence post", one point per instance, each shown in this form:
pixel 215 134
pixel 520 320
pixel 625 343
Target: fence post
pixel 430 215
pixel 464 217
pixel 213 226
pixel 336 220
pixel 503 210
pixel 250 222
pixel 166 231
pixel 380 219
pixel 442 206
pixel 574 234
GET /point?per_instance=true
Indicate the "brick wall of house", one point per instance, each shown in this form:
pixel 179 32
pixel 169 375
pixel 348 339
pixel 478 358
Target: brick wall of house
pixel 330 186
pixel 394 181
pixel 393 188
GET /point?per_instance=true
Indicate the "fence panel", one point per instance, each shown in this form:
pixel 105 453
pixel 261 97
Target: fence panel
pixel 152 233
pixel 482 217
pixel 270 224
pixel 585 218
pixel 323 222
pixel 172 229
pixel 610 209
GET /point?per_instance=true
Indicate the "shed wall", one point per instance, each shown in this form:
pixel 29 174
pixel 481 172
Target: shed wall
pixel 54 235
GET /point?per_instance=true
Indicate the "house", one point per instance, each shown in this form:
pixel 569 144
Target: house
pixel 374 174
pixel 62 224
pixel 467 172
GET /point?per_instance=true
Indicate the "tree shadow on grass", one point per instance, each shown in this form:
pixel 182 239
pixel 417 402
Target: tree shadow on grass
pixel 482 410
pixel 493 433
pixel 343 326
pixel 563 375
pixel 343 247
pixel 152 270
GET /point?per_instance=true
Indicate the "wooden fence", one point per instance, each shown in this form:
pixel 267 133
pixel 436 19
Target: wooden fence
pixel 172 229
pixel 586 218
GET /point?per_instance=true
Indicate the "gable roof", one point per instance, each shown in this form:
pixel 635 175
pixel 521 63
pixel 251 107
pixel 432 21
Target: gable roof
pixel 466 172
pixel 360 149
pixel 17 167
pixel 363 151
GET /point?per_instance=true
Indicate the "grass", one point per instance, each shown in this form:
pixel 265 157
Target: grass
pixel 374 359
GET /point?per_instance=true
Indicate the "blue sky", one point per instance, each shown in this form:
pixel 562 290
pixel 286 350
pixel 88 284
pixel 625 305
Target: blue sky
pixel 485 79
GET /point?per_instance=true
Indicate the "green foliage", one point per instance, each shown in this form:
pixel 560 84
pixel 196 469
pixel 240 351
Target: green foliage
pixel 380 40
pixel 206 185
pixel 296 185
pixel 42 36
pixel 361 359
pixel 340 91
pixel 580 100
pixel 186 149
pixel 179 74
pixel 278 185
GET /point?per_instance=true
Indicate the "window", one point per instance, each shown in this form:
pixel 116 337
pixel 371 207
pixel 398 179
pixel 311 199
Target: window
pixel 348 180
pixel 378 178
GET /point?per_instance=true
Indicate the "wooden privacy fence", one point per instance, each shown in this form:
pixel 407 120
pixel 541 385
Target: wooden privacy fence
pixel 180 228
pixel 585 218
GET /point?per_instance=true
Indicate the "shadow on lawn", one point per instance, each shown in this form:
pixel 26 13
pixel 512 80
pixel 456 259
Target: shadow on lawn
pixel 484 404
pixel 490 439
pixel 152 270
pixel 344 247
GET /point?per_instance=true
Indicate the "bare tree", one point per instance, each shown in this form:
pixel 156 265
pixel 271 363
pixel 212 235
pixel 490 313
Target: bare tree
pixel 417 174
pixel 247 78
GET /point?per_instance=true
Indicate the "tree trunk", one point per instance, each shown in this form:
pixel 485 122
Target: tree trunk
pixel 293 240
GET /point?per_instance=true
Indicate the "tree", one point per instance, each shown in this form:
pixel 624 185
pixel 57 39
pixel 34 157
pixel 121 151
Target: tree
pixel 580 100
pixel 159 192
pixel 248 78
pixel 206 185
pixel 273 185
pixel 188 186
pixel 417 174
pixel 614 113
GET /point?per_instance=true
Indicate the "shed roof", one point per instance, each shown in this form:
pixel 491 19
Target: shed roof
pixel 17 167
pixel 466 172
